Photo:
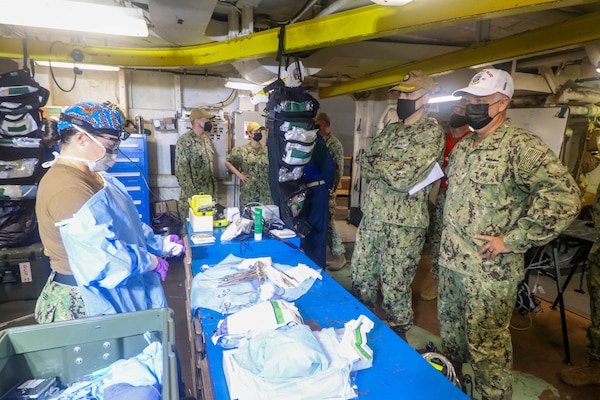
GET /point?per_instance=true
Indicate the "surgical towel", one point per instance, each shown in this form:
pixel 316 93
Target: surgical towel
pixel 290 352
pixel 286 364
pixel 138 377
pixel 206 292
pixel 124 391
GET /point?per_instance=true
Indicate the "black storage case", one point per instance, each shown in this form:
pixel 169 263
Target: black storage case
pixel 23 272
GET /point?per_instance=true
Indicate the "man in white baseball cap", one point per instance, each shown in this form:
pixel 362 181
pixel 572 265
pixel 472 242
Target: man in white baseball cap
pixel 489 81
pixel 488 96
pixel 492 177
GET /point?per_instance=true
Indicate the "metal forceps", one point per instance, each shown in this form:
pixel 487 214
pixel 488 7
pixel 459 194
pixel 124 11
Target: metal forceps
pixel 227 291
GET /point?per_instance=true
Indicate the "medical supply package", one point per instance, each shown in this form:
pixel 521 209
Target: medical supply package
pixel 295 363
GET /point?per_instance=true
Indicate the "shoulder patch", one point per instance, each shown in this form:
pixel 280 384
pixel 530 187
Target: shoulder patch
pixel 530 159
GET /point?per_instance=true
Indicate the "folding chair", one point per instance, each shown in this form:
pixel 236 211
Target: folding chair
pixel 554 260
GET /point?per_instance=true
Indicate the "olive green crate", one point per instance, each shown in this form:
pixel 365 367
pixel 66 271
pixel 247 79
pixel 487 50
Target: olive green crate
pixel 72 349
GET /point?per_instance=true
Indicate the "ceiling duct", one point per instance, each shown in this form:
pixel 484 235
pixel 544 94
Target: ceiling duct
pixel 182 22
pixel 251 70
pixel 593 53
pixel 255 72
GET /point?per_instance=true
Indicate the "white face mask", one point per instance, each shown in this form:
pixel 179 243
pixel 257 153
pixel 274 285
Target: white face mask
pixel 105 162
pixel 102 164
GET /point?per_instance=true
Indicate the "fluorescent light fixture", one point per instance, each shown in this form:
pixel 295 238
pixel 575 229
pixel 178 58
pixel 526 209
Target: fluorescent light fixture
pixel 93 67
pixel 75 16
pixel 443 99
pixel 242 84
pixel 598 67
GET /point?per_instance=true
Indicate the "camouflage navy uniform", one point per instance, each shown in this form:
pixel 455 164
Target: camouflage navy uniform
pixel 194 169
pixel 334 240
pixel 255 164
pixel 436 211
pixel 593 283
pixel 58 302
pixel 489 187
pixel 392 231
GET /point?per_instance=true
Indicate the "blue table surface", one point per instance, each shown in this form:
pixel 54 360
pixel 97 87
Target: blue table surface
pixel 398 371
pixel 212 254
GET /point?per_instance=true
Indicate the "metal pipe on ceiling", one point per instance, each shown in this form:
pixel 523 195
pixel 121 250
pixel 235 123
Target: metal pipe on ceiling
pixel 578 31
pixel 359 24
pixel 345 27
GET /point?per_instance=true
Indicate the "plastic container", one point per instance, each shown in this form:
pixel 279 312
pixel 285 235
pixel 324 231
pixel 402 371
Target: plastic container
pixel 71 349
pixel 23 272
pixel 201 205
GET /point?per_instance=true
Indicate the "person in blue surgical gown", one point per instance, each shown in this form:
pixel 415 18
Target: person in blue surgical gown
pixel 104 260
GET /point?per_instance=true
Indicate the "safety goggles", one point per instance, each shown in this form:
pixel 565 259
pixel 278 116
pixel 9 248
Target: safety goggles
pixel 114 143
pixel 113 147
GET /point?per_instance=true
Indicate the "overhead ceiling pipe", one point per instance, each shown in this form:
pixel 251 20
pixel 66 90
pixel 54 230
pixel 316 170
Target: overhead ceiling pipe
pixel 251 70
pixel 247 20
pixel 593 53
pixel 233 23
pixel 343 5
pixel 255 72
pixel 590 109
pixel 579 96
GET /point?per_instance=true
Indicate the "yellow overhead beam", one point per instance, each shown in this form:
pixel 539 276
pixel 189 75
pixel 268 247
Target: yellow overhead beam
pixel 359 24
pixel 572 32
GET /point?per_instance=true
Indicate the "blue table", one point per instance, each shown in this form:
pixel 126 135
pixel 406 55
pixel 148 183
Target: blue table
pixel 398 371
pixel 211 254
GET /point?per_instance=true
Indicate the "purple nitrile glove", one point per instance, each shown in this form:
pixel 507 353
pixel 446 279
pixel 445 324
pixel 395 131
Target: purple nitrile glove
pixel 162 268
pixel 173 246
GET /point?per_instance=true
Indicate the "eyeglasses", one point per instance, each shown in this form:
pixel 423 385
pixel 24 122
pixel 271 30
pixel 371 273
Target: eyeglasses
pixel 111 148
pixel 114 135
pixel 114 143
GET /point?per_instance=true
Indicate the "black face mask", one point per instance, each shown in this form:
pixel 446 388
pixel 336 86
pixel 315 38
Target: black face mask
pixel 207 126
pixel 257 136
pixel 456 121
pixel 406 107
pixel 478 115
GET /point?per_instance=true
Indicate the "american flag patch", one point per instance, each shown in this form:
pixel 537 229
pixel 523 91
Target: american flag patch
pixel 530 159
